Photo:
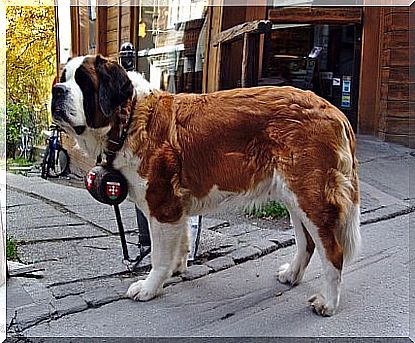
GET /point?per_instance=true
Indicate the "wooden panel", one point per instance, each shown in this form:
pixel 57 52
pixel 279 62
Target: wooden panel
pixel 400 74
pixel 125 20
pixel 397 39
pixel 112 12
pixel 112 36
pixel 399 138
pixel 402 109
pixel 395 57
pixel 112 22
pixel 396 91
pixel 401 126
pixel 256 12
pixel 396 21
pixel 325 15
pixel 112 48
pixel 233 15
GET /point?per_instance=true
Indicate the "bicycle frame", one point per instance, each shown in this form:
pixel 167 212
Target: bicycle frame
pixel 25 142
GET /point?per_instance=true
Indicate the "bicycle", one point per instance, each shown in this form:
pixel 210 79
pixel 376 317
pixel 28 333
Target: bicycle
pixel 56 159
pixel 25 147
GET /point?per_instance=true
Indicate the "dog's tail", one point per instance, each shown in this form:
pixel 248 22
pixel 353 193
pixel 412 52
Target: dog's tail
pixel 349 235
pixel 345 195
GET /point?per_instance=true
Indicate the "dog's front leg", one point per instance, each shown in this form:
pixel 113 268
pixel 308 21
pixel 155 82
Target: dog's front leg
pixel 166 241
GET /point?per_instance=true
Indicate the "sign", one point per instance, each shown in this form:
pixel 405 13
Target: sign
pixel 345 100
pixel 113 190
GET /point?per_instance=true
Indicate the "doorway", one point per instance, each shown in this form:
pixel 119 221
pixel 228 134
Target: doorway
pixel 324 58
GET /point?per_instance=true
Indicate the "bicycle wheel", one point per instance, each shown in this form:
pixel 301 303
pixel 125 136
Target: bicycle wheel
pixel 45 163
pixel 59 163
pixel 29 149
pixel 20 151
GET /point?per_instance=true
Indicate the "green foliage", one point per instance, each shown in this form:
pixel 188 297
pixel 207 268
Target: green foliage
pixel 16 115
pixel 11 249
pixel 31 54
pixel 18 161
pixel 30 69
pixel 272 209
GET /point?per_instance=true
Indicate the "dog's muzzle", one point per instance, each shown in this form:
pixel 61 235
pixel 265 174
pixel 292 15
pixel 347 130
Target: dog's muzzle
pixel 59 113
pixel 59 94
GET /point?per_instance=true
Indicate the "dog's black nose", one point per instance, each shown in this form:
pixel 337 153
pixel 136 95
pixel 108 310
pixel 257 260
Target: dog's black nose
pixel 59 90
pixel 58 101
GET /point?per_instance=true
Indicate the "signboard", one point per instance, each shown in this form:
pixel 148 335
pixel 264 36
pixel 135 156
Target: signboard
pixel 346 90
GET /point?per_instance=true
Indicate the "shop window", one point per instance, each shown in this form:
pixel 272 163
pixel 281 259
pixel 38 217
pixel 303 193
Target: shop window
pixel 171 45
pixel 320 57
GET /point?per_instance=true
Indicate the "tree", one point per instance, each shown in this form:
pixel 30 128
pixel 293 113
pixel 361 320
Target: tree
pixel 31 59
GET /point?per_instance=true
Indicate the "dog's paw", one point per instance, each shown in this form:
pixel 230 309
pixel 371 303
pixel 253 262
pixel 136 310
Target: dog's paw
pixel 142 291
pixel 286 274
pixel 320 306
pixel 181 266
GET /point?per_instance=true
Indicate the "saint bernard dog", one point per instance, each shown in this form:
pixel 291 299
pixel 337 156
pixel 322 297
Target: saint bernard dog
pixel 187 154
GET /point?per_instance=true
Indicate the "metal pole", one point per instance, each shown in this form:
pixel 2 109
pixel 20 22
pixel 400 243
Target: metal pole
pixel 122 233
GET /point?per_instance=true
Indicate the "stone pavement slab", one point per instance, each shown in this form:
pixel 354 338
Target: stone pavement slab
pixel 248 301
pixel 53 233
pixel 388 167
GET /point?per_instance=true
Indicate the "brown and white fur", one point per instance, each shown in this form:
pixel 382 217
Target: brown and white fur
pixel 188 154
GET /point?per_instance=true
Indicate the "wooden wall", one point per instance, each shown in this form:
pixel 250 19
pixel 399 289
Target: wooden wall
pixel 120 28
pixel 397 108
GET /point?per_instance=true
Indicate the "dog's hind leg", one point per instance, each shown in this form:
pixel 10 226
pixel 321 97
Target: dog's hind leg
pixel 331 255
pixel 293 272
pixel 166 248
pixel 183 251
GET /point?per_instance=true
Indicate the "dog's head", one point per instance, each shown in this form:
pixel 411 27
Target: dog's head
pixel 90 90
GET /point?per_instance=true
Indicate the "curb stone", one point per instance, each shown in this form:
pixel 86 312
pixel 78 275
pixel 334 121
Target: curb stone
pixel 68 305
pixel 195 271
pixel 30 315
pixel 245 253
pixel 101 296
pixel 220 263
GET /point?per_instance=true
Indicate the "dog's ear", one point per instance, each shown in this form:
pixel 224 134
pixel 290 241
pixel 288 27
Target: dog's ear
pixel 114 87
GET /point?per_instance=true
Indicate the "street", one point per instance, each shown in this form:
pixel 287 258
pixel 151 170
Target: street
pixel 234 292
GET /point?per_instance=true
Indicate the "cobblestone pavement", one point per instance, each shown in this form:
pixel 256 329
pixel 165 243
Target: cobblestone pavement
pixel 74 239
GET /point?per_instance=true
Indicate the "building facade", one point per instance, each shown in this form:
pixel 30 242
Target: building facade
pixel 359 58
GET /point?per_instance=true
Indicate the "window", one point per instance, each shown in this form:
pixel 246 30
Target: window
pixel 171 53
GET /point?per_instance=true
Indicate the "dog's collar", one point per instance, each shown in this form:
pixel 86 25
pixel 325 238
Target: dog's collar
pixel 119 130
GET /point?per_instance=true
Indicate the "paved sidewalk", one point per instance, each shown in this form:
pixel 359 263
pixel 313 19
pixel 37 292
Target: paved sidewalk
pixel 75 239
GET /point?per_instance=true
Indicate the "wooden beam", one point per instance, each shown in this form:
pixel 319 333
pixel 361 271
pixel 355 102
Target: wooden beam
pixel 245 57
pixel 101 30
pixel 214 52
pixel 326 15
pixel 75 43
pixel 57 39
pixel 119 26
pixel 236 32
pixel 369 93
pixel 207 51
